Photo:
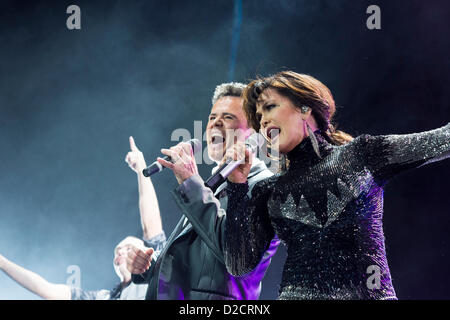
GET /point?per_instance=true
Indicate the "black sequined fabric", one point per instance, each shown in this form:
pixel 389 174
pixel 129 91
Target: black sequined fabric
pixel 328 210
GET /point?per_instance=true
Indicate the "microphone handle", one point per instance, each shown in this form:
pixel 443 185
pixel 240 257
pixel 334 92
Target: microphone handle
pixel 154 167
pixel 216 180
pixel 221 174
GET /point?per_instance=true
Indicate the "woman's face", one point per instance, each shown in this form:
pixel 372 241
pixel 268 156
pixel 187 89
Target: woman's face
pixel 281 122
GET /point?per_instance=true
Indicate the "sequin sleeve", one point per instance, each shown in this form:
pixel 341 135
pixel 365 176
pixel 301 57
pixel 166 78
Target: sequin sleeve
pixel 389 155
pixel 248 230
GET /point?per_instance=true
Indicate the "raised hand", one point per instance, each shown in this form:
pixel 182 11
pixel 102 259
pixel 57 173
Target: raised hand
pixel 135 158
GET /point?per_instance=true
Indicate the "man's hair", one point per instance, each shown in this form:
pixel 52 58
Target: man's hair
pixel 232 89
pixel 129 240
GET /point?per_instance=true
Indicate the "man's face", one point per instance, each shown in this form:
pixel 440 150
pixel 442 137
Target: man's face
pixel 120 257
pixel 227 124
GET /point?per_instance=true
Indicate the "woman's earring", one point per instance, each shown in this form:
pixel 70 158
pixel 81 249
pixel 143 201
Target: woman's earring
pixel 304 109
pixel 313 138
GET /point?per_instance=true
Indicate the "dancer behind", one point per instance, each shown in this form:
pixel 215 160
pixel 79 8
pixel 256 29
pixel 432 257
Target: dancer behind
pixel 153 236
pixel 191 266
pixel 328 205
pixel 125 290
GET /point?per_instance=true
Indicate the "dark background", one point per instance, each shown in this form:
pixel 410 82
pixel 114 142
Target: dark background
pixel 69 100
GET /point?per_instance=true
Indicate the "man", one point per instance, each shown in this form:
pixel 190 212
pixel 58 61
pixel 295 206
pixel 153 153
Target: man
pixel 191 265
pixel 125 290
pixel 153 236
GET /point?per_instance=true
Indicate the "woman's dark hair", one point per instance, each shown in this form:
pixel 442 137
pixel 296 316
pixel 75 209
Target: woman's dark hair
pixel 301 90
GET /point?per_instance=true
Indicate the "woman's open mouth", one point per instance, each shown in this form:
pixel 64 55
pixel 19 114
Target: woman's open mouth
pixel 273 132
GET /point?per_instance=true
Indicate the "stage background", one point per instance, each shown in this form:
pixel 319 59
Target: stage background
pixel 69 100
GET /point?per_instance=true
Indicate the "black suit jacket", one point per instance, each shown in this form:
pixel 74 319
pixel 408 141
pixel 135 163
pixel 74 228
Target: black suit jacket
pixel 191 265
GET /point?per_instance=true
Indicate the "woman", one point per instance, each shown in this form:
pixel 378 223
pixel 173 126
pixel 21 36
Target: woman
pixel 327 206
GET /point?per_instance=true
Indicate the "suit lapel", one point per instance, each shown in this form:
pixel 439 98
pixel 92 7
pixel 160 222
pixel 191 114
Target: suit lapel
pixel 185 229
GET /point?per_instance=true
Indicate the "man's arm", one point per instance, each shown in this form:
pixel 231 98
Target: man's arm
pixel 192 196
pixel 196 201
pixel 207 217
pixel 34 282
pixel 148 202
pixel 203 211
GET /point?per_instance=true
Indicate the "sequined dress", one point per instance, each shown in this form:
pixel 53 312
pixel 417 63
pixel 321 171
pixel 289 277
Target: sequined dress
pixel 328 211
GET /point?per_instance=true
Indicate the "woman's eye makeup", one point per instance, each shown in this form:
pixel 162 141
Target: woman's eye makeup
pixel 268 107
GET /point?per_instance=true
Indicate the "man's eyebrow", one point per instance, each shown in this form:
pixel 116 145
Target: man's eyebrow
pixel 229 114
pixel 225 114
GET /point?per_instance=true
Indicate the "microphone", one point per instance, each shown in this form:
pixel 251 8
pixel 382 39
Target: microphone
pixel 157 167
pixel 252 143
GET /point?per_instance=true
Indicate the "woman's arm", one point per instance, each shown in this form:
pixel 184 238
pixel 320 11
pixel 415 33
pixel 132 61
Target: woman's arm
pixel 248 231
pixel 389 155
pixel 34 282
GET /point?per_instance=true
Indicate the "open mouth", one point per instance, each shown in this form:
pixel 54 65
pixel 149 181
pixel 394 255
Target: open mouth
pixel 273 132
pixel 217 139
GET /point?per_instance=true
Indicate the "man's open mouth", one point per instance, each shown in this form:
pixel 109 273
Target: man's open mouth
pixel 217 139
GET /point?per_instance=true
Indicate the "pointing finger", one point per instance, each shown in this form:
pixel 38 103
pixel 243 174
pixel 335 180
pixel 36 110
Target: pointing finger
pixel 132 144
